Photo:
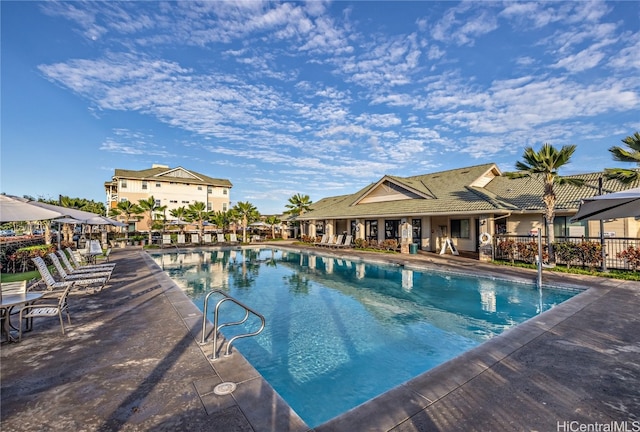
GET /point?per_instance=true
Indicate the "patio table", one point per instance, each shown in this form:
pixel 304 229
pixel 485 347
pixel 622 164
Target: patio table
pixel 8 302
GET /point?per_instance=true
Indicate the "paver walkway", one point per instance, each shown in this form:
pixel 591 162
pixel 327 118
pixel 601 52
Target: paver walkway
pixel 131 362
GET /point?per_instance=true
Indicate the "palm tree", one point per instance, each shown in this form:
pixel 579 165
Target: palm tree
pixel 222 219
pixel 248 213
pixel 128 210
pixel 273 221
pixel 149 206
pixel 626 176
pixel 298 205
pixel 544 166
pixel 197 212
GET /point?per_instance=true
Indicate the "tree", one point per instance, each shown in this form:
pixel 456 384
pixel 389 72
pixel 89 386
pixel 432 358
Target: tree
pixel 298 205
pixel 544 166
pixel 222 219
pixel 273 221
pixel 129 211
pixel 150 206
pixel 197 212
pixel 247 213
pixel 626 176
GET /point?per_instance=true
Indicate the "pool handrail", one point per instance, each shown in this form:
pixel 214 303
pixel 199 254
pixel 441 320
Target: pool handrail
pixel 217 327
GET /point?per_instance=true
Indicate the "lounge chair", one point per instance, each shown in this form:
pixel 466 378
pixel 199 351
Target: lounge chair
pixel 233 238
pixel 221 238
pixel 166 240
pixel 206 238
pixel 195 239
pixel 86 280
pixel 322 241
pixel 81 275
pixel 180 240
pixel 331 239
pixel 46 307
pixel 347 242
pixel 77 264
pixel 47 277
pixel 80 270
pixel 338 241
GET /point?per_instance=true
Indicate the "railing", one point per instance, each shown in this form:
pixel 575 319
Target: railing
pixel 217 327
pixel 525 248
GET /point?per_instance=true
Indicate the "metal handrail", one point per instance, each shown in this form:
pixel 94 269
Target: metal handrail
pixel 217 327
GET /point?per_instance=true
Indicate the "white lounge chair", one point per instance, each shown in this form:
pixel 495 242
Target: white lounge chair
pixel 338 241
pixel 95 280
pixel 233 238
pixel 322 241
pixel 195 239
pixel 206 238
pixel 73 255
pixel 347 242
pixel 166 240
pixel 331 239
pixel 81 270
pixel 221 238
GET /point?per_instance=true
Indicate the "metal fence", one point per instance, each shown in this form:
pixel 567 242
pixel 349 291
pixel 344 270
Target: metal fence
pixel 524 249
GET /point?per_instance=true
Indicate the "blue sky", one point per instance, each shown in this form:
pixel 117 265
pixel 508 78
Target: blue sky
pixel 318 98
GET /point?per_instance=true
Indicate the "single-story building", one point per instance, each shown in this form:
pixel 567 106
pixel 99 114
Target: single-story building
pixel 460 206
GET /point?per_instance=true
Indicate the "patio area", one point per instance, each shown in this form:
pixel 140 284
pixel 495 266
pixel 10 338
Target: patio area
pixel 131 361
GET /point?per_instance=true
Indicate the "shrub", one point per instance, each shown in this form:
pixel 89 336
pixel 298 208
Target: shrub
pixel 507 248
pixel 361 243
pixel 590 253
pixel 567 252
pixel 631 256
pixel 20 260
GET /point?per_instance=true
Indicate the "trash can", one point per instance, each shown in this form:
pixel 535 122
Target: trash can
pixel 413 248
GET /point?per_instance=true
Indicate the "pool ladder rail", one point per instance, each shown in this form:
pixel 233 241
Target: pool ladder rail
pixel 216 327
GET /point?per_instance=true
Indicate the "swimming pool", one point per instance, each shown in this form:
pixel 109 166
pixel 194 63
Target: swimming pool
pixel 341 332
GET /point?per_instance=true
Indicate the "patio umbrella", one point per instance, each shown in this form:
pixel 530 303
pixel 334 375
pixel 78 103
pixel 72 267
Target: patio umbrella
pixel 103 220
pixel 610 206
pixel 81 216
pixel 14 209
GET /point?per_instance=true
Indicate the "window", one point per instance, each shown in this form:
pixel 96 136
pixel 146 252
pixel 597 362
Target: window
pixel 123 200
pixel 417 230
pixel 123 183
pixel 225 191
pixel 158 203
pixel 209 190
pixel 209 207
pixel 224 206
pixel 173 201
pixel 371 229
pixel 199 187
pixel 319 228
pixel 158 184
pixel 354 227
pixel 391 228
pixel 460 228
pixel 501 226
pixel 144 185
pixel 185 202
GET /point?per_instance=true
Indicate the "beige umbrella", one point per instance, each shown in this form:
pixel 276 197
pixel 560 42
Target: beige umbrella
pixel 14 209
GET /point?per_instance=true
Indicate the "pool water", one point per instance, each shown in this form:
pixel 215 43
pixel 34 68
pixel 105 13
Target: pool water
pixel 339 332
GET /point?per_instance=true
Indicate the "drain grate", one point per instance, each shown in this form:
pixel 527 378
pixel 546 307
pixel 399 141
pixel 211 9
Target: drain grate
pixel 224 388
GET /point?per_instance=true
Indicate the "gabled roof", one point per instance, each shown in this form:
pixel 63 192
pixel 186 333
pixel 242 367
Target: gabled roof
pixel 480 189
pixel 176 175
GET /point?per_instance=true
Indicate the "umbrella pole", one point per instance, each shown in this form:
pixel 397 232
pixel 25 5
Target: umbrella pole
pixel 603 249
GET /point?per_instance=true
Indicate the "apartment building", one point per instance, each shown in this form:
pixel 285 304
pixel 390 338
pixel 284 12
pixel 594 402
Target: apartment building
pixel 171 187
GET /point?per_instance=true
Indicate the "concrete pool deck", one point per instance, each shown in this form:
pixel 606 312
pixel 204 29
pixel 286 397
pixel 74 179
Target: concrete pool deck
pixel 131 361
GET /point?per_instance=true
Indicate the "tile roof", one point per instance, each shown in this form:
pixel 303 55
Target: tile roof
pixel 459 191
pixel 155 173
